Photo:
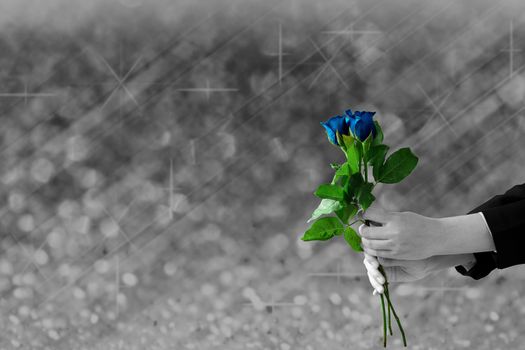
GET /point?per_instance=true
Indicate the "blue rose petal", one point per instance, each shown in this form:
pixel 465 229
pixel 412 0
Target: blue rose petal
pixel 333 125
pixel 363 124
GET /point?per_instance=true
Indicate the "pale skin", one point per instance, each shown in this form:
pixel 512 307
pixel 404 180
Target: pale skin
pixel 411 246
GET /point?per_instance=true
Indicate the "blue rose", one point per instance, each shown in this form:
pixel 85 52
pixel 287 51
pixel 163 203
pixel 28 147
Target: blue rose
pixel 340 124
pixel 362 124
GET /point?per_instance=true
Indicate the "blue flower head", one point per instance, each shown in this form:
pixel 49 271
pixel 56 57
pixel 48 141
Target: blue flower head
pixel 340 124
pixel 359 124
pixel 362 124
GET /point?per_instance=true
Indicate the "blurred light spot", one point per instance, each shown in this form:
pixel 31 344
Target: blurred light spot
pixel 335 299
pixel 16 201
pixel 473 293
pixel 208 290
pixel 494 316
pixel 42 169
pixel 275 245
pixel 24 310
pixel 346 312
pixel 256 301
pixel 180 203
pixel 12 176
pixel 102 266
pixel 304 249
pixel 23 293
pixel 405 290
pixel 77 148
pixel 160 142
pixel 89 178
pixel 513 92
pixel 122 299
pixel 226 278
pixel 278 150
pixel 5 284
pixel 300 300
pixel 6 268
pixel 53 334
pixel 67 209
pixel 29 279
pixel 211 232
pixel 14 320
pixel 226 145
pixel 64 270
pixel 26 223
pixel 81 224
pixel 196 214
pixel 129 279
pixel 109 228
pixel 41 257
pixel 170 268
pixel 78 293
pixel 55 239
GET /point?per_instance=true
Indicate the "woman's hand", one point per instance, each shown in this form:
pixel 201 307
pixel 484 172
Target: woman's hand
pixel 395 270
pixel 409 270
pixel 410 236
pixel 406 235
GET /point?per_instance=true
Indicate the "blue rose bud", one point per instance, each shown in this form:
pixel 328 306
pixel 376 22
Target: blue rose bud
pixel 340 124
pixel 362 124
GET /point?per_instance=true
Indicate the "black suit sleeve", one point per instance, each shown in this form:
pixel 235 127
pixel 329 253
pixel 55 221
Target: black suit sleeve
pixel 505 216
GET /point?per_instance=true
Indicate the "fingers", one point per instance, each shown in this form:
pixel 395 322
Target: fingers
pixel 374 276
pixel 378 253
pixel 373 232
pixel 389 262
pixel 377 214
pixel 377 286
pixel 372 260
pixel 376 244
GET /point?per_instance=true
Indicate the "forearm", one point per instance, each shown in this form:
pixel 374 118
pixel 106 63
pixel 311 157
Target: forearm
pixel 441 262
pixel 463 234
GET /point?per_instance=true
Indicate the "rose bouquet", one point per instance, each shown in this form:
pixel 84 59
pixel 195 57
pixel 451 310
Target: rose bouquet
pixel 350 193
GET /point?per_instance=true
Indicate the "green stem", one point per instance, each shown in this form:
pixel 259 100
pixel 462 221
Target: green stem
pixel 387 295
pixel 365 167
pixel 389 318
pixel 384 319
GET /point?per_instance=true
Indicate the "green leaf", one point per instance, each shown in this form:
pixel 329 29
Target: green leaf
pixel 343 170
pixel 365 197
pixel 327 206
pixel 398 166
pixel 341 175
pixel 352 153
pixel 323 229
pixel 339 139
pixel 352 187
pixel 377 158
pixel 348 140
pixel 346 212
pixel 367 143
pixel 330 192
pixel 352 239
pixel 379 135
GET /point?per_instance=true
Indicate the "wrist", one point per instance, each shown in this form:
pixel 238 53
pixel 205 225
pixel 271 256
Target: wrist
pixel 463 234
pixel 443 237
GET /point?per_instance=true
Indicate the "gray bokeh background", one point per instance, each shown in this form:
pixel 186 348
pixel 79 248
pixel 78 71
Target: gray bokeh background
pixel 158 160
